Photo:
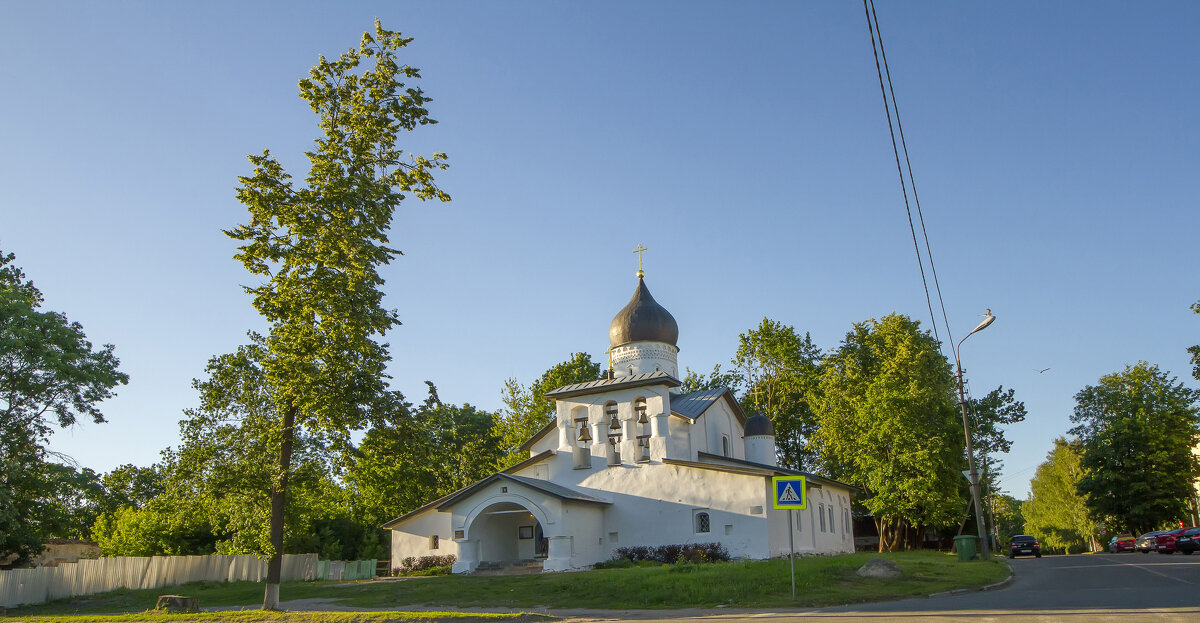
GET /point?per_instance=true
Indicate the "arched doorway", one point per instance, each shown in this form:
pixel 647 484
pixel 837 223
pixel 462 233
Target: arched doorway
pixel 507 533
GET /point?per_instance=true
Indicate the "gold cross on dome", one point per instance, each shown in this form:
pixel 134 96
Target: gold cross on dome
pixel 641 273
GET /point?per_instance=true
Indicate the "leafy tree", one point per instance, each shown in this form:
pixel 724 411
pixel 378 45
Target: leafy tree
pixel 319 248
pixel 1137 429
pixel 49 374
pixel 130 485
pixel 781 372
pixel 1010 519
pixel 987 415
pixel 213 492
pixel 717 379
pixel 888 423
pixel 1056 512
pixel 528 410
pixel 1195 350
pixel 410 457
pixel 73 500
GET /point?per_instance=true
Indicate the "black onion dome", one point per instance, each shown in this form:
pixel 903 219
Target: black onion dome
pixel 643 320
pixel 758 425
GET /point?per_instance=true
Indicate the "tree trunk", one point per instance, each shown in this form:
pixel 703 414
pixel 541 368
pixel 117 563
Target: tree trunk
pixel 880 528
pixel 278 498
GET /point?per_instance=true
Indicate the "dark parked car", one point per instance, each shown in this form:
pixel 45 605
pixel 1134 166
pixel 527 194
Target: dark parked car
pixel 1165 542
pixel 1023 545
pixel 1188 541
pixel 1121 543
pixel 1146 543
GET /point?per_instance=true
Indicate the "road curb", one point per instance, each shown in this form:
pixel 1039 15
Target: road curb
pixel 990 587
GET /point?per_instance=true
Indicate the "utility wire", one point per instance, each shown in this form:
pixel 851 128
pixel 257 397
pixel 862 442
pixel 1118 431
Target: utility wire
pixel 912 181
pixel 873 29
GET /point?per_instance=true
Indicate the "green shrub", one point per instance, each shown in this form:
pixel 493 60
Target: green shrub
pixel 413 565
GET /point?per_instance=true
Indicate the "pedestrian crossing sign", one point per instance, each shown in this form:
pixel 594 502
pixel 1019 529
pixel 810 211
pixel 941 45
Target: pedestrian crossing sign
pixel 790 492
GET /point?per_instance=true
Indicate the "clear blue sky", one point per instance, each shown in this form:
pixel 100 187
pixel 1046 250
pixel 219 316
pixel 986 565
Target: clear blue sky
pixel 1055 148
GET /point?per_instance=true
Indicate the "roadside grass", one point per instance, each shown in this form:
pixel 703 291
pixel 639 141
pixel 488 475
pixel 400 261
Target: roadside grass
pixel 820 581
pixel 261 616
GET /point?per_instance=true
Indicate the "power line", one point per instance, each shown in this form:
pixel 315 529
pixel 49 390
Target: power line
pixel 889 105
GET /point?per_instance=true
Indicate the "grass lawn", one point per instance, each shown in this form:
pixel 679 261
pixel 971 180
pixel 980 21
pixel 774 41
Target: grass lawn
pixel 259 616
pixel 820 581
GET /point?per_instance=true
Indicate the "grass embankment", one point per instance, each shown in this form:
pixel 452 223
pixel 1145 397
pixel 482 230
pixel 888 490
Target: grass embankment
pixel 820 581
pixel 260 616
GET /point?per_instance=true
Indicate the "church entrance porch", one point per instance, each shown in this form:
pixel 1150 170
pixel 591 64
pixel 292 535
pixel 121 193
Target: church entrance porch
pixel 508 538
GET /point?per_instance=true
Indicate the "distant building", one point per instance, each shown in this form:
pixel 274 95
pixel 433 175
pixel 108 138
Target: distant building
pixel 58 551
pixel 629 460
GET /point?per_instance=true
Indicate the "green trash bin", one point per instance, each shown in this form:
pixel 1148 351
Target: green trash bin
pixel 965 546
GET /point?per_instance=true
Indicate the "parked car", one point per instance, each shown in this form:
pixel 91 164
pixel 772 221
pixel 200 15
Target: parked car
pixel 1121 543
pixel 1146 543
pixel 1165 543
pixel 1023 545
pixel 1188 541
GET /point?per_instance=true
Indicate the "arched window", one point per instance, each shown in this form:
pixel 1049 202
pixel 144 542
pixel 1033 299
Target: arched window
pixel 703 524
pixel 613 426
pixel 724 445
pixel 832 526
pixel 821 514
pixel 642 426
pixel 581 437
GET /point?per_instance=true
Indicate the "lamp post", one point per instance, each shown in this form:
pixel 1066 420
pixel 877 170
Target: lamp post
pixel 984 548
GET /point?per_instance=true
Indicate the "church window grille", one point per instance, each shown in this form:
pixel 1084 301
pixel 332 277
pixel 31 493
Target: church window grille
pixel 433 541
pixel 821 514
pixel 703 523
pixel 832 526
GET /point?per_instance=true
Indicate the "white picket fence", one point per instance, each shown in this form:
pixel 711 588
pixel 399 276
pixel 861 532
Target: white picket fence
pixel 20 587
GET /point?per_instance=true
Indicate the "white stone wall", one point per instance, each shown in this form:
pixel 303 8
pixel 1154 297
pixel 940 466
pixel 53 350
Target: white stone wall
pixel 642 357
pixel 411 538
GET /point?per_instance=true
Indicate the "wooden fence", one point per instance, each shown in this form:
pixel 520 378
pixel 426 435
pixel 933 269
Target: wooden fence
pixel 86 577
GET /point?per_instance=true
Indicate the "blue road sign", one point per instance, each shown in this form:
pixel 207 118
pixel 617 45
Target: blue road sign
pixel 790 492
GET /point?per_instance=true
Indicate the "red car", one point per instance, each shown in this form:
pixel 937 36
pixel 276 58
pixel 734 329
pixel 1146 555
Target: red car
pixel 1121 543
pixel 1165 542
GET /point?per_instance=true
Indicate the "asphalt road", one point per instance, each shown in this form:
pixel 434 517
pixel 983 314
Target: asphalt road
pixel 1128 587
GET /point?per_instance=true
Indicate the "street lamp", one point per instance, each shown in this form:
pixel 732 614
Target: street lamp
pixel 984 547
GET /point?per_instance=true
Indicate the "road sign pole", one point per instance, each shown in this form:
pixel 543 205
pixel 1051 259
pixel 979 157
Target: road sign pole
pixel 792 552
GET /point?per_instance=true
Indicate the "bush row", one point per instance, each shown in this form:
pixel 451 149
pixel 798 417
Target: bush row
pixel 424 563
pixel 671 554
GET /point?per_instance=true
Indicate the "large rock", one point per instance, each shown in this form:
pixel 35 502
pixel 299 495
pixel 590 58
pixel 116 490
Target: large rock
pixel 880 568
pixel 176 603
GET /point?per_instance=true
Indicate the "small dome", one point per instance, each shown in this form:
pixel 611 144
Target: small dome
pixel 758 425
pixel 643 320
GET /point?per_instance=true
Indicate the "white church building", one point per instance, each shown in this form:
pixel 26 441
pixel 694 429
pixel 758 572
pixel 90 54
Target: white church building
pixel 630 460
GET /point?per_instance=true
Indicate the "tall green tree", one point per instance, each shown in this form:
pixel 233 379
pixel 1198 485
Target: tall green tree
pixel 988 417
pixel 1137 429
pixel 212 493
pixel 318 247
pixel 413 456
pixel 1195 350
pixel 781 373
pixel 1010 519
pixel 888 424
pixel 1056 512
pixel 130 485
pixel 693 381
pixel 527 409
pixel 50 374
